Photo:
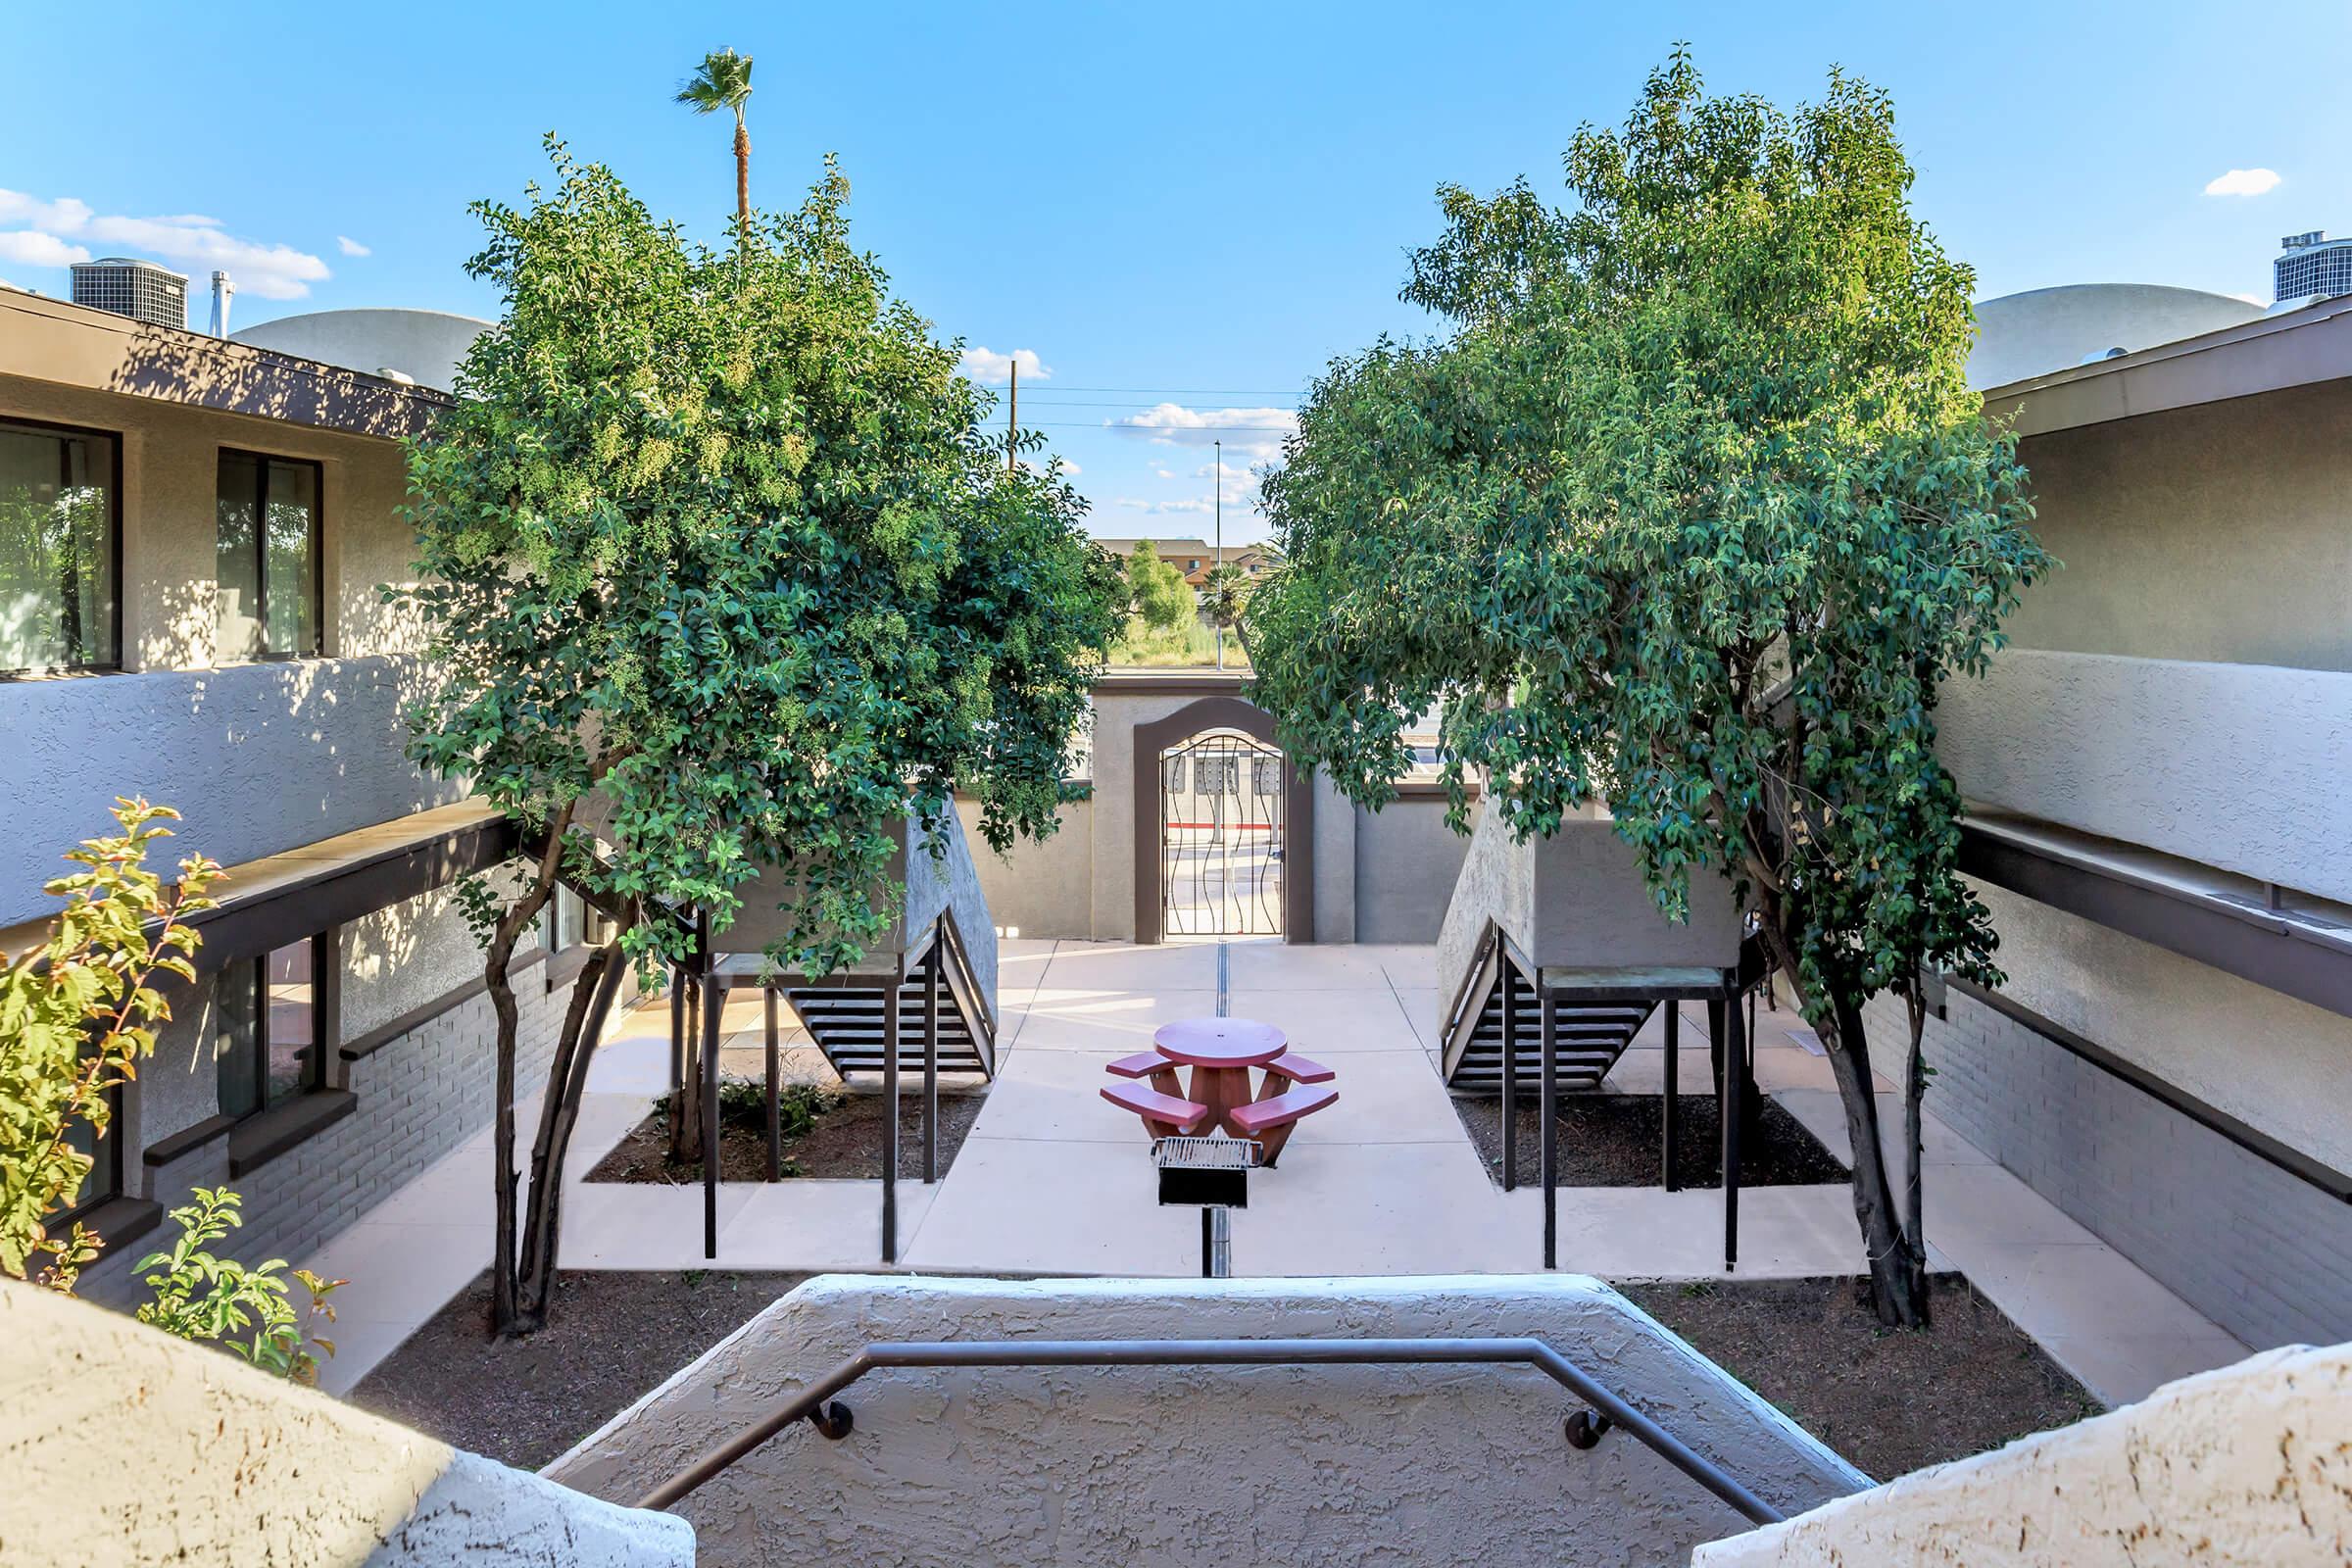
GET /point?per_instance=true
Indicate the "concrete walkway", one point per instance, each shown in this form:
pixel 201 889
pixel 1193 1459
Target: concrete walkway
pixel 1053 1180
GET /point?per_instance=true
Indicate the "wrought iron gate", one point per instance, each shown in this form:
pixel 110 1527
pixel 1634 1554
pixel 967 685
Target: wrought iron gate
pixel 1220 837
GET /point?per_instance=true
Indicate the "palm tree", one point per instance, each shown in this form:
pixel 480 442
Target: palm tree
pixel 724 82
pixel 1224 597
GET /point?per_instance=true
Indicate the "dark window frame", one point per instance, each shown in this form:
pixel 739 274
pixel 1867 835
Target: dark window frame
pixel 114 495
pixel 109 1171
pixel 261 533
pixel 325 1074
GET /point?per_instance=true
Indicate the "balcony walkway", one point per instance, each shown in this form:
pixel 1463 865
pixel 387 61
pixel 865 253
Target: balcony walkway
pixel 1053 1180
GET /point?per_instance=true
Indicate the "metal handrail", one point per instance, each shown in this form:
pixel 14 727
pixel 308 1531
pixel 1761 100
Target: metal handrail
pixel 811 1403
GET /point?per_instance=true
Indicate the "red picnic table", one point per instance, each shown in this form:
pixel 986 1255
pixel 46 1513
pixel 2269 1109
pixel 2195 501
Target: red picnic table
pixel 1221 1052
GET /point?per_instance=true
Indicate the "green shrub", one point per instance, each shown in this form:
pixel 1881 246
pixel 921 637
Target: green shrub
pixel 212 1300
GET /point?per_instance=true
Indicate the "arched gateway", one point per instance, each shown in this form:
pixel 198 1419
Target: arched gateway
pixel 1224 827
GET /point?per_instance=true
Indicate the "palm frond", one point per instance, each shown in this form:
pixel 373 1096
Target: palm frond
pixel 724 81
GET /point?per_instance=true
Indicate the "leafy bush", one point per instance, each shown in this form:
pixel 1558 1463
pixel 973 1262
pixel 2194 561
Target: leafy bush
pixel 76 1015
pixel 212 1300
pixel 743 1103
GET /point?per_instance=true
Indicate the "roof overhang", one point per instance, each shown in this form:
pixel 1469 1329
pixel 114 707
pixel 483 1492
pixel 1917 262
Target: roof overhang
pixel 42 339
pixel 2272 354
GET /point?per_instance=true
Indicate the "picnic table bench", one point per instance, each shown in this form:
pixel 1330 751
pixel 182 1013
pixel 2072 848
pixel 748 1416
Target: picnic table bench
pixel 1221 1053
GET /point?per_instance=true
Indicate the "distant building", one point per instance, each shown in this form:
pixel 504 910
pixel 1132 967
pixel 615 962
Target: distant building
pixel 2312 265
pixel 140 290
pixel 1196 557
pixel 423 347
pixel 2044 331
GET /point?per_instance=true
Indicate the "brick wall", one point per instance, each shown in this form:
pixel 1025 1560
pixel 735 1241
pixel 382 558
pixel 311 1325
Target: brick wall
pixel 417 1099
pixel 2260 1251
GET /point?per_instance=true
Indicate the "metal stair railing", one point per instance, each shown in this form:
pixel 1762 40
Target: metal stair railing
pixel 1584 1429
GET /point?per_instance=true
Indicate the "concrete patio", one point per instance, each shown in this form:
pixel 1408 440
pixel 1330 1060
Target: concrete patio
pixel 1053 1180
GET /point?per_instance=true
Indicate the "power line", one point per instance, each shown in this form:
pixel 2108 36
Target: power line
pixel 1181 391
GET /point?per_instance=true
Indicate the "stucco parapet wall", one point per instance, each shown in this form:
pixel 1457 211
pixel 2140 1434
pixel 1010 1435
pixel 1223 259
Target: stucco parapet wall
pixel 126 1447
pixel 258 758
pixel 1190 1465
pixel 2248 1464
pixel 2244 768
pixel 49 340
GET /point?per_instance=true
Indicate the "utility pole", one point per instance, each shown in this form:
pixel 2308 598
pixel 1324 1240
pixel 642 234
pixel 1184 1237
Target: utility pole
pixel 1219 574
pixel 1012 417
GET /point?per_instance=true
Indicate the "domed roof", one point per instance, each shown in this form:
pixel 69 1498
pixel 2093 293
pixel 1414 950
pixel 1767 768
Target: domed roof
pixel 2045 329
pixel 424 346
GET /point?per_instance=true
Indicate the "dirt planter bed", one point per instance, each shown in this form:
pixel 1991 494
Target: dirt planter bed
pixel 611 1336
pixel 839 1136
pixel 1889 1399
pixel 1613 1140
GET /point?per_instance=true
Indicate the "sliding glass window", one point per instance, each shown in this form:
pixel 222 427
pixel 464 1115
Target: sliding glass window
pixel 267 568
pixel 60 549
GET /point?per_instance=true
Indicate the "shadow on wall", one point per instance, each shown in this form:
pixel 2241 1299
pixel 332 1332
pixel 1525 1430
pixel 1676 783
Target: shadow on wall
pixel 208 372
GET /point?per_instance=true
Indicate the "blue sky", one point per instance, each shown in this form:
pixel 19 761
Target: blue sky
pixel 1183 215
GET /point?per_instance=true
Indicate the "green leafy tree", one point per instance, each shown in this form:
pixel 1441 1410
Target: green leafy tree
pixel 244 1308
pixel 1690 513
pixel 1156 592
pixel 724 81
pixel 721 573
pixel 77 1016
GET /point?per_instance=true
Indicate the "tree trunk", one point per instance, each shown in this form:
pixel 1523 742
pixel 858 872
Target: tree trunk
pixel 498 980
pixel 592 997
pixel 743 179
pixel 1915 1093
pixel 1894 1281
pixel 686 1100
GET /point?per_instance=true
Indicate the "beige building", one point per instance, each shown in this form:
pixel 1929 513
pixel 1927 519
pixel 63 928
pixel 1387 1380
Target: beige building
pixel 192 535
pixel 2160 821
pixel 1196 559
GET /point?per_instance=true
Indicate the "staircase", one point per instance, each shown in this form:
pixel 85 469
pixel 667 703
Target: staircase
pixel 1588 1037
pixel 846 1016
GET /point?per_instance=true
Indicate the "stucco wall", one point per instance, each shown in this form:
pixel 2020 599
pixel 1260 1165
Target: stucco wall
pixel 127 1446
pixel 1337 824
pixel 259 758
pixel 1407 862
pixel 2216 532
pixel 1593 910
pixel 2249 1464
pixel 403 958
pixel 1318 1465
pixel 1039 888
pixel 171 483
pixel 2241 766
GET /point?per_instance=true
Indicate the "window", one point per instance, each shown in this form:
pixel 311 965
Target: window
pixel 1193 564
pixel 60 549
pixel 267 1044
pixel 572 920
pixel 267 556
pixel 105 1154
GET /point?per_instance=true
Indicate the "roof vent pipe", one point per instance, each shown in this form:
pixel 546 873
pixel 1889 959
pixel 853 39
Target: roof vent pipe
pixel 223 290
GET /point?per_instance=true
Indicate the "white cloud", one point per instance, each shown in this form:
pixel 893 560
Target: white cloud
pixel 32 248
pixel 351 247
pixel 1200 504
pixel 2243 182
pixel 1069 470
pixel 271 271
pixel 987 366
pixel 1247 432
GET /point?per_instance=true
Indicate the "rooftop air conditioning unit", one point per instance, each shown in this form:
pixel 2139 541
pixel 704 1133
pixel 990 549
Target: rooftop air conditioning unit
pixel 140 290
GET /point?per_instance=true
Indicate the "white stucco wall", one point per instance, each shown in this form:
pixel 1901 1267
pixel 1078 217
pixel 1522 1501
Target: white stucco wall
pixel 2241 766
pixel 259 758
pixel 1210 1466
pixel 2044 330
pixel 126 1447
pixel 2251 1464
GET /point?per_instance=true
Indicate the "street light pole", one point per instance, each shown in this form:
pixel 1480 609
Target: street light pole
pixel 1219 576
